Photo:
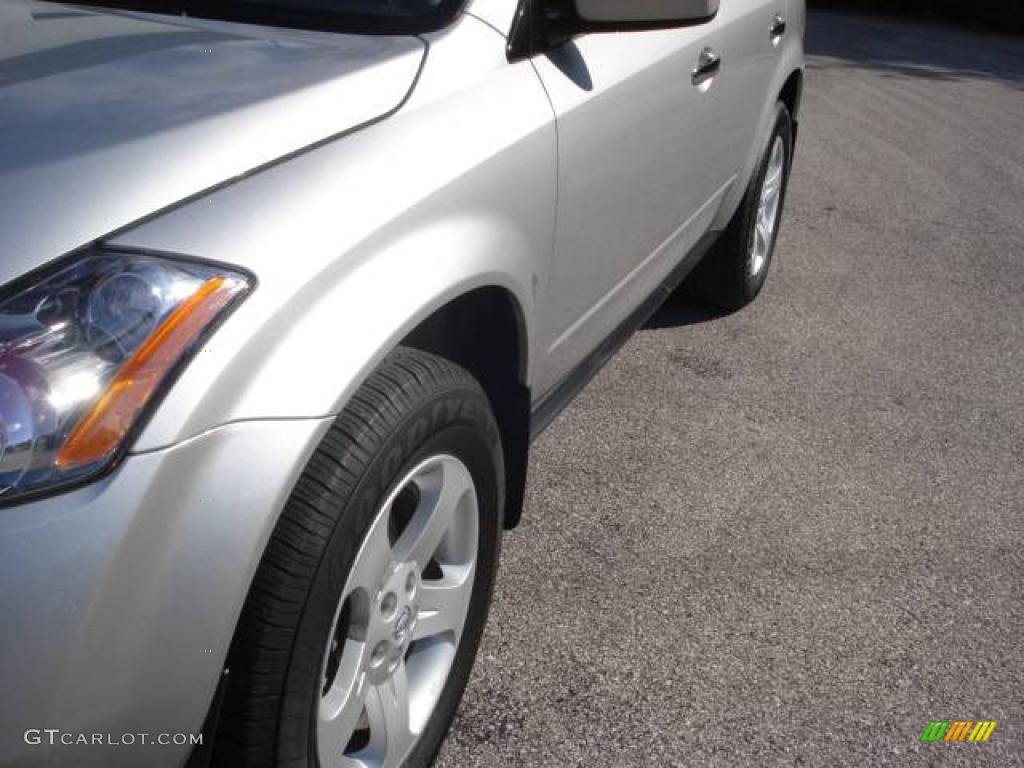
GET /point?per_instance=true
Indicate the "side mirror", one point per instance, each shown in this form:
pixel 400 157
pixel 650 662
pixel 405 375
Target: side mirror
pixel 543 25
pixel 644 14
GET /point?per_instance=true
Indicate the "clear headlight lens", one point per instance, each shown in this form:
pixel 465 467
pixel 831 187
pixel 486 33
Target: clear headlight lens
pixel 85 349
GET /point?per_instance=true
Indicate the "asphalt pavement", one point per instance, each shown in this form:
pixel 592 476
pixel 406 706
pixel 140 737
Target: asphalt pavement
pixel 795 535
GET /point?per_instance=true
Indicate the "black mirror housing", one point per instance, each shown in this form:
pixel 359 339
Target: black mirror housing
pixel 542 25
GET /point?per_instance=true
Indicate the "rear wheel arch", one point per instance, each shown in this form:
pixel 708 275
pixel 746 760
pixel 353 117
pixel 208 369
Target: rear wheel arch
pixel 792 93
pixel 484 331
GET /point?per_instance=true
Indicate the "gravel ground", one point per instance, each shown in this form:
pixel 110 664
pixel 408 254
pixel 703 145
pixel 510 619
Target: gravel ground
pixel 793 536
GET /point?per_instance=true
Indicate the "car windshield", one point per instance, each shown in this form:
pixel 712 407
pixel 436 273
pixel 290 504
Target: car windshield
pixel 364 16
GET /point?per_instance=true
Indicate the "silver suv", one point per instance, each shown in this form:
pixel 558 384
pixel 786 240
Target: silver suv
pixel 288 288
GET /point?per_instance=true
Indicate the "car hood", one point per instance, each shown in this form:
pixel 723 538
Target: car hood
pixel 108 117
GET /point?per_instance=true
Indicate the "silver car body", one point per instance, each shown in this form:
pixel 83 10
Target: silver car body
pixel 366 182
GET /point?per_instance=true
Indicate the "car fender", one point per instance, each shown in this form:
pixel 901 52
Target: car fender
pixel 354 243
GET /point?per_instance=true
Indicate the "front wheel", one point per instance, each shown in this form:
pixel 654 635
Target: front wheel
pixel 365 615
pixel 734 271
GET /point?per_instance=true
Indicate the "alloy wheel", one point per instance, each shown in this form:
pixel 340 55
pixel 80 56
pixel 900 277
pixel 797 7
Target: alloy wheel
pixel 768 208
pixel 399 620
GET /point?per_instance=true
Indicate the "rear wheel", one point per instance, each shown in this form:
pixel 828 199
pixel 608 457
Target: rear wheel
pixel 360 631
pixel 734 272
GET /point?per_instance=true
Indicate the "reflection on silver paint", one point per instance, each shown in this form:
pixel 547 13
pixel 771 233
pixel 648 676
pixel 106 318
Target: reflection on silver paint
pixel 107 118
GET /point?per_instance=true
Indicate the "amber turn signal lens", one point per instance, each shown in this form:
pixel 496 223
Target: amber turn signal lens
pixel 102 428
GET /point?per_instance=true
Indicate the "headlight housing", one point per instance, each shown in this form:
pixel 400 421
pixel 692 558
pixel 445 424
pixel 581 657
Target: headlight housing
pixel 86 349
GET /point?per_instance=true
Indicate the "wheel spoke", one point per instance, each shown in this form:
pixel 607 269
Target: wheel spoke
pixel 444 603
pixel 374 557
pixel 763 235
pixel 387 708
pixel 442 492
pixel 337 724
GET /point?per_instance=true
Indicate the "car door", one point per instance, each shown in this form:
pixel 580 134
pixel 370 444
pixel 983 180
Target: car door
pixel 637 179
pixel 748 37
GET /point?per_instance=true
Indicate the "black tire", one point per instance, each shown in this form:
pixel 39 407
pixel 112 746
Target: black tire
pixel 414 406
pixel 724 278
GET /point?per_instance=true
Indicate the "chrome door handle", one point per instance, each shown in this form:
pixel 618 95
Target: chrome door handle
pixel 707 66
pixel 778 28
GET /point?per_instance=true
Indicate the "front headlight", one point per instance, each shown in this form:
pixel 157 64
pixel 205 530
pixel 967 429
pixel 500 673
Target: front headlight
pixel 86 348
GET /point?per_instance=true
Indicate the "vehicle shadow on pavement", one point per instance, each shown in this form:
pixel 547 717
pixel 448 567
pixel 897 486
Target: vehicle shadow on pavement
pixel 912 49
pixel 680 310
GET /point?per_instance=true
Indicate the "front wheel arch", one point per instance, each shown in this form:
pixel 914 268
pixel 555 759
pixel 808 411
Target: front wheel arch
pixel 484 332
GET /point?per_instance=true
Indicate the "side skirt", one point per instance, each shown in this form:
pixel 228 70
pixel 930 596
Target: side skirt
pixel 573 383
